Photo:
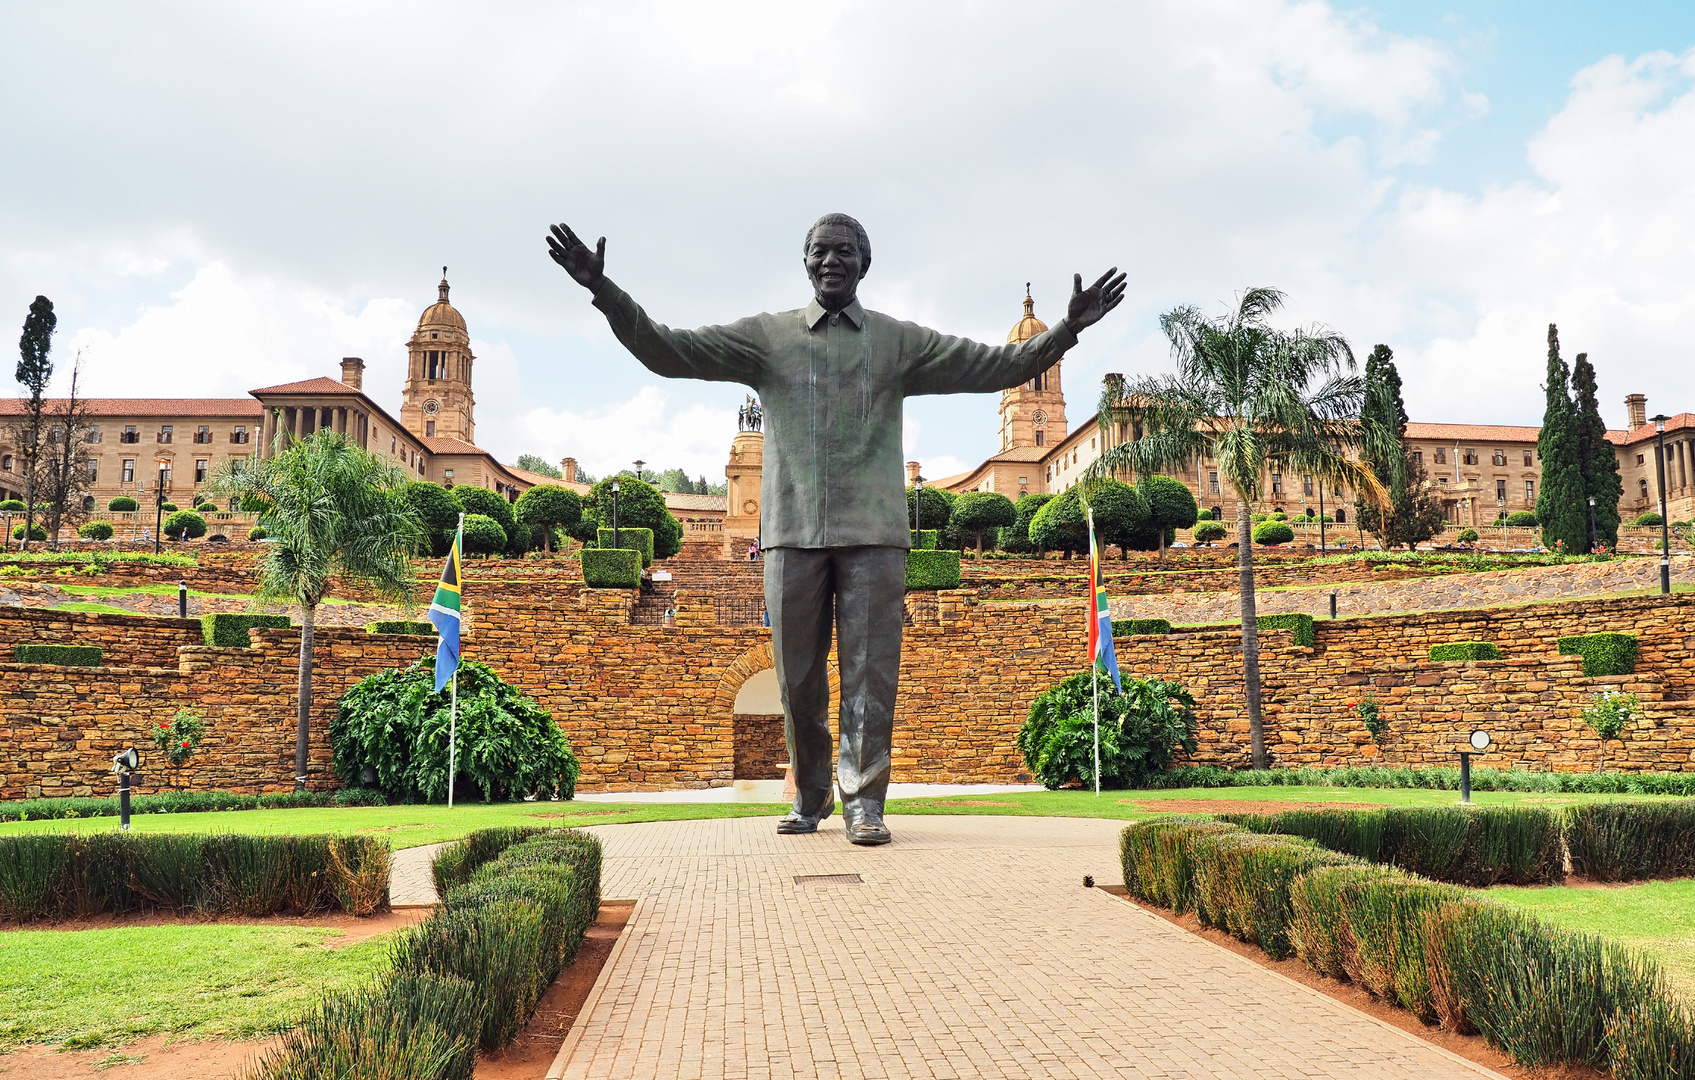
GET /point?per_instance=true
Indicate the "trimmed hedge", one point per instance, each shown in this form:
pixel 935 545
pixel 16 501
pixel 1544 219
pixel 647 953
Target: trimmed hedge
pixel 1543 995
pixel 96 530
pixel 630 540
pixel 925 542
pixel 1475 846
pixel 1272 532
pixel 1441 778
pixel 185 802
pixel 928 569
pixel 1603 654
pixel 123 504
pixel 1124 627
pixel 1630 841
pixel 399 626
pixel 257 533
pixel 1465 650
pixel 44 875
pixel 1302 625
pixel 228 630
pixel 612 568
pixel 63 655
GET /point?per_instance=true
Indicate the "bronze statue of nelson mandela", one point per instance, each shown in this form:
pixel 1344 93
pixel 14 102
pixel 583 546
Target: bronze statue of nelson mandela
pixel 832 378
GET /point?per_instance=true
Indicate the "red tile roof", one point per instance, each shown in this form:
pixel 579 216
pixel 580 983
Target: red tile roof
pixel 437 444
pixel 1679 422
pixel 677 500
pixel 1482 433
pixel 319 385
pixel 164 407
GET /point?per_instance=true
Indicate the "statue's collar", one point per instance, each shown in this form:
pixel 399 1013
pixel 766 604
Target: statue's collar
pixel 816 312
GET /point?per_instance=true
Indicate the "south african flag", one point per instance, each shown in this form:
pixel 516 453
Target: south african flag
pixel 444 613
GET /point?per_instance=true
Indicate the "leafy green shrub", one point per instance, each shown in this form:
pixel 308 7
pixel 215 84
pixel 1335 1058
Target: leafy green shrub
pixel 63 655
pixel 96 530
pixel 1157 861
pixel 1306 631
pixel 640 506
pixel 1655 1041
pixel 185 525
pixel 483 535
pixel 1141 730
pixel 123 504
pixel 629 540
pixel 12 506
pixel 927 569
pixel 1210 532
pixel 66 876
pixel 1467 536
pixel 178 739
pixel 1650 518
pixel 1607 715
pixel 454 864
pixel 36 532
pixel 257 533
pixel 437 513
pixel 1603 654
pixel 1523 519
pixel 925 541
pixel 605 568
pixel 395 723
pixel 548 507
pixel 1242 882
pixel 1015 538
pixel 399 626
pixel 1465 650
pixel 185 802
pixel 1122 627
pixel 420 1026
pixel 1273 531
pixel 228 630
pixel 1630 841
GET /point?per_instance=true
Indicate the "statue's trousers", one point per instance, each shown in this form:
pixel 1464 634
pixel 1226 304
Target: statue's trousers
pixel 860 593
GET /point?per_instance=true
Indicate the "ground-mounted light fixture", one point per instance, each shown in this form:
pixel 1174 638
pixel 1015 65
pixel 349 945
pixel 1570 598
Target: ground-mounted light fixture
pixel 125 765
pixel 615 542
pixel 1479 742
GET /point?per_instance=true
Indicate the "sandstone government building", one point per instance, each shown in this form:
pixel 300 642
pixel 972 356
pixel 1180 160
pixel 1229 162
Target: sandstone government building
pixel 1479 470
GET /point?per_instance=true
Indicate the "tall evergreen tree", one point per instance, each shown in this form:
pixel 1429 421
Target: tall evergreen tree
pixel 1560 505
pixel 1596 459
pixel 1411 514
pixel 33 371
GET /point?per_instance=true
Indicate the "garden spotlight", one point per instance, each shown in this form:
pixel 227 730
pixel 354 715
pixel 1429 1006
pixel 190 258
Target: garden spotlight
pixel 1479 742
pixel 125 765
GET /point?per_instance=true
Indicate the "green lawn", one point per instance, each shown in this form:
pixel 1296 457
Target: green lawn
pixel 94 608
pixel 1127 804
pixel 1656 916
pixel 89 987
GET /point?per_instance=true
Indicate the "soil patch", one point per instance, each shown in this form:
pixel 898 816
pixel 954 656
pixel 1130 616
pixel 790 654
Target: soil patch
pixel 583 813
pixel 156 1057
pixel 529 1057
pixel 352 929
pixel 1239 806
pixel 1471 1047
pixel 966 802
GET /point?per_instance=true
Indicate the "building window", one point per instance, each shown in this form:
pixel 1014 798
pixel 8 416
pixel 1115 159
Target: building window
pixel 1441 457
pixel 164 433
pixel 1530 492
pixel 391 444
pixel 1639 461
pixel 1441 479
pixel 1039 434
pixel 1418 458
pixel 1471 457
pixel 1277 483
pixel 94 434
pixel 239 435
pixel 1500 491
pixel 129 470
pixel 1306 485
pixel 92 465
pixel 1527 461
pixel 430 428
pixel 1050 474
pixel 1212 483
pixel 202 434
pixel 130 435
pixel 1644 484
pixel 200 465
pixel 433 335
pixel 1500 457
pixel 447 477
pixel 6 462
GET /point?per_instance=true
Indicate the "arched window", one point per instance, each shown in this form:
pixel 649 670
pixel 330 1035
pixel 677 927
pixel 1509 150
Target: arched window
pixel 6 462
pixel 1644 484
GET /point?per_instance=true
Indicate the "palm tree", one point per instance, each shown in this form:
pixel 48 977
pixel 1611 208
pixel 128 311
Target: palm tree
pixel 331 510
pixel 1256 400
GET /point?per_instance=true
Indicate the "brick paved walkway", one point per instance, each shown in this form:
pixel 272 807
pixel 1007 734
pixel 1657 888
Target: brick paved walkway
pixel 410 880
pixel 971 950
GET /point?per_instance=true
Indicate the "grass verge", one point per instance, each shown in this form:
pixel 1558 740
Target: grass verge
pixel 1656 916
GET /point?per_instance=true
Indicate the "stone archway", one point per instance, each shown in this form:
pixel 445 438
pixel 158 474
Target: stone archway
pixel 751 684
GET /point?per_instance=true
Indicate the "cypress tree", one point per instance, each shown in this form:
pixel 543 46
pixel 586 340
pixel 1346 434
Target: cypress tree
pixel 1412 515
pixel 1560 504
pixel 1596 458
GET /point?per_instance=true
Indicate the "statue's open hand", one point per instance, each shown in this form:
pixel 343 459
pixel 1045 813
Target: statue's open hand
pixel 1088 305
pixel 585 266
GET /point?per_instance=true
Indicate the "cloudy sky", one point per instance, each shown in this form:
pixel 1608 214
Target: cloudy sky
pixel 219 197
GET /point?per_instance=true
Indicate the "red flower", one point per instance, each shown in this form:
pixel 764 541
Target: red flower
pixel 185 742
pixel 164 727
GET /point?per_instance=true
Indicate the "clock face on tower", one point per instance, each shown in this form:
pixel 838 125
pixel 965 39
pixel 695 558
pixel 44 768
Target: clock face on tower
pixel 1038 417
pixel 431 407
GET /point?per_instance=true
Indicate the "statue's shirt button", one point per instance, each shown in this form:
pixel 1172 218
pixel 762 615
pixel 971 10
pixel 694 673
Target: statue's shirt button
pixel 835 319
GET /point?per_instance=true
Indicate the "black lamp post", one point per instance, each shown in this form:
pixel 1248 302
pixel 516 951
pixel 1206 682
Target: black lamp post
pixel 159 504
pixel 1501 511
pixel 615 513
pixel 918 508
pixel 1665 529
pixel 1322 550
pixel 1479 742
pixel 1592 536
pixel 639 464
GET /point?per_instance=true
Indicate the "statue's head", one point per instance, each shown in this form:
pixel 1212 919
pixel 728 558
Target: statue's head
pixel 837 254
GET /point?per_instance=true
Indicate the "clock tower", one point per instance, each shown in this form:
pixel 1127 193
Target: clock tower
pixel 1032 413
pixel 436 401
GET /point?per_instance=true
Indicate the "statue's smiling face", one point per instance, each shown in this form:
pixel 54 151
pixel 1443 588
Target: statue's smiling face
pixel 834 264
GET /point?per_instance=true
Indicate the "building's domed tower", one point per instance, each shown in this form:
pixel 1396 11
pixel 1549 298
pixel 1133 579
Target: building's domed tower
pixel 1032 413
pixel 437 399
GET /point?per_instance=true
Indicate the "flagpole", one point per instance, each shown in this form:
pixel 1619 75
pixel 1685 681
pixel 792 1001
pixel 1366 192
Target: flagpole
pixel 1094 660
pixel 452 733
pixel 1095 678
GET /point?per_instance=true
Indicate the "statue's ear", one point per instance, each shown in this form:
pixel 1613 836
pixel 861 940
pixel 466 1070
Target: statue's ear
pixel 865 268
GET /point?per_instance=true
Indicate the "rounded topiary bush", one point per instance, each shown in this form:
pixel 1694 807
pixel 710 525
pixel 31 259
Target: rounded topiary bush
pixel 1271 533
pixel 36 532
pixel 1650 518
pixel 12 506
pixel 168 507
pixel 185 525
pixel 96 530
pixel 122 504
pixel 1523 519
pixel 483 535
pixel 1210 532
pixel 1467 536
pixel 256 533
pixel 396 724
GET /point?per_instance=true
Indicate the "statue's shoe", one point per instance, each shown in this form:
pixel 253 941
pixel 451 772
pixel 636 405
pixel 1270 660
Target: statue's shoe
pixel 793 824
pixel 869 833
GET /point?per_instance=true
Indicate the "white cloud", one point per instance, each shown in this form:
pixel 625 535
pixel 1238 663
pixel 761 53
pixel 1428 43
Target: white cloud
pixel 660 426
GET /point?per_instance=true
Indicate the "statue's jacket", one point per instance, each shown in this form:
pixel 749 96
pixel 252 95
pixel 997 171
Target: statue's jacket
pixel 832 387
